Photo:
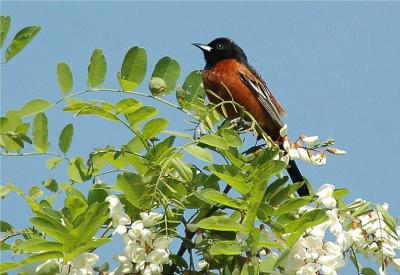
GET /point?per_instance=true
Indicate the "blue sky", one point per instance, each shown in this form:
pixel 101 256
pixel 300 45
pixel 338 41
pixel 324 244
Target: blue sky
pixel 335 68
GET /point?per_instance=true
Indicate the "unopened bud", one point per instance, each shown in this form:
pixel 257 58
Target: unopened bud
pixel 157 86
pixel 283 131
pixel 336 151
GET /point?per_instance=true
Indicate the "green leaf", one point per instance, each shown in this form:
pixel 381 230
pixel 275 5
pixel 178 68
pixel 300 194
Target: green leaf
pixel 132 186
pixel 50 184
pixel 4 27
pixel 97 69
pixel 5 227
pixel 37 245
pixel 198 152
pixel 5 189
pixel 84 246
pixel 292 205
pixel 267 265
pixel 77 170
pixel 76 205
pixel 152 128
pixel 53 162
pixel 89 223
pixel 66 138
pixel 48 269
pixel 34 106
pixel 226 248
pixel 141 114
pixel 220 223
pixel 340 192
pixel 192 92
pixel 21 39
pixel 64 77
pixel 182 168
pixel 167 69
pixel 368 271
pixel 214 141
pixel 232 176
pixel 127 105
pixel 133 69
pixel 8 265
pixel 98 192
pixel 284 193
pixel 231 138
pixel 40 133
pixel 299 226
pixel 52 227
pixel 93 110
pixel 221 198
pixel 42 257
pixel 35 192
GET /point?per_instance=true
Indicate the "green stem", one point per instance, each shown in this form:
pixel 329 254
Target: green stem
pixel 108 90
pixel 34 154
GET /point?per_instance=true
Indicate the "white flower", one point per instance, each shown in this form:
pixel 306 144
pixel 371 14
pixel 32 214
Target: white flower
pixel 319 230
pixel 136 229
pixel 385 206
pixel 309 141
pixel 293 153
pixel 325 194
pixel 151 218
pixel 335 225
pixel 308 269
pixel 162 242
pixel 152 269
pixel 396 263
pixel 118 215
pixel 158 256
pixel 85 261
pixel 303 154
pixel 319 159
pixel 82 264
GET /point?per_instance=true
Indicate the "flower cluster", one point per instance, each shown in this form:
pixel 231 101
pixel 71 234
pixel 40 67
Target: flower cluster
pixel 145 250
pixel 309 148
pixel 368 234
pixel 119 218
pixel 82 264
pixel 378 240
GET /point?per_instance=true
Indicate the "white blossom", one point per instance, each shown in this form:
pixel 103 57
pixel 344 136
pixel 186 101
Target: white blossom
pixel 309 141
pixel 151 218
pixel 145 250
pixel 325 195
pixel 119 218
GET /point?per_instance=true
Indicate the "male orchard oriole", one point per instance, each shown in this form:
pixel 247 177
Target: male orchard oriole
pixel 228 75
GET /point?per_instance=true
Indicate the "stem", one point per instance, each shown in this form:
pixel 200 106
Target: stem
pixel 34 154
pixel 107 90
pixel 189 235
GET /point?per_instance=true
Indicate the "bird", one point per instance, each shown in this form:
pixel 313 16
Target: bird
pixel 228 76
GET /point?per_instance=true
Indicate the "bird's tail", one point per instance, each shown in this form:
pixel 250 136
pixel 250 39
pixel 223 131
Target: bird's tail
pixel 296 176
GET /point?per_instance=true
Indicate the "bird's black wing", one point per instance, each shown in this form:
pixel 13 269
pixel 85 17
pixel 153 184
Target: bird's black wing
pixel 264 96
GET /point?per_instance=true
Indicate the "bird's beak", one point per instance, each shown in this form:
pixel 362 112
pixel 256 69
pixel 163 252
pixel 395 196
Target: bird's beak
pixel 203 47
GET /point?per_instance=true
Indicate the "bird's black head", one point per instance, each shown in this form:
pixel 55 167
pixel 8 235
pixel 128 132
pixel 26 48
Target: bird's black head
pixel 220 49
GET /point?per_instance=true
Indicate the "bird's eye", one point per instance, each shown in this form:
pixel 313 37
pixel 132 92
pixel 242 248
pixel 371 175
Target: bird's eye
pixel 219 46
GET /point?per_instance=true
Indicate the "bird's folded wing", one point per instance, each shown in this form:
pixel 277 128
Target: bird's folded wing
pixel 260 90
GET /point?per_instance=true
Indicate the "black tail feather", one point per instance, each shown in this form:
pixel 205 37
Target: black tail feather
pixel 296 176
